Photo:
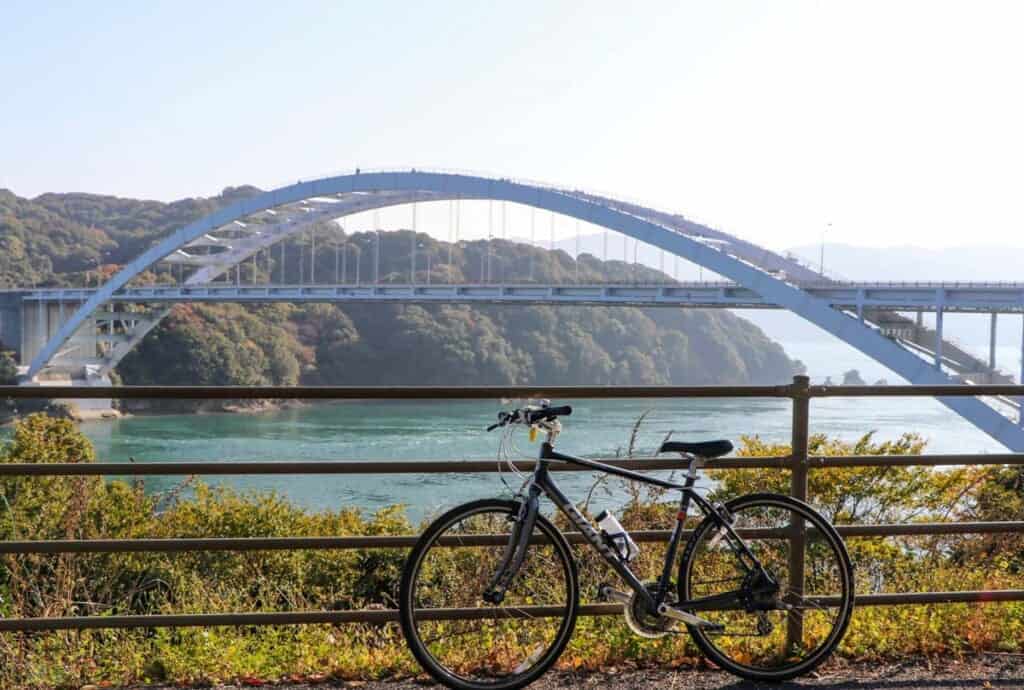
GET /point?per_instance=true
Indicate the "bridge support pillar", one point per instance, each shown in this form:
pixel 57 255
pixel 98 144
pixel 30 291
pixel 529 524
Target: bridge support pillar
pixel 1020 401
pixel 10 323
pixel 938 338
pixel 992 348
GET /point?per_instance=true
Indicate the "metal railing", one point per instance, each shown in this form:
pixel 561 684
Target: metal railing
pixel 800 462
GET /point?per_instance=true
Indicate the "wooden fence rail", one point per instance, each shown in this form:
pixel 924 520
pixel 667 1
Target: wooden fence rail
pixel 800 463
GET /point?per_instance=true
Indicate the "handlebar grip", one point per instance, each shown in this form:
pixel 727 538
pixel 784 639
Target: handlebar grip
pixel 549 413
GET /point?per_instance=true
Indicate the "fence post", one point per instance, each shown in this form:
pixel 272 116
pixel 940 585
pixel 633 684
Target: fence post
pixel 798 490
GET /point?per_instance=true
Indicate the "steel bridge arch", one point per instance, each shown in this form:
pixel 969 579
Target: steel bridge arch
pixel 641 224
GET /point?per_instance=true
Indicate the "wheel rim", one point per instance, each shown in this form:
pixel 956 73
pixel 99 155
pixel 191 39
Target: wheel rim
pixel 517 636
pixel 823 609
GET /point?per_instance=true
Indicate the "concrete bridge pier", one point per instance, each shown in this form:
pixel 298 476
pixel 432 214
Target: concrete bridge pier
pixel 26 326
pixel 41 320
pixel 10 323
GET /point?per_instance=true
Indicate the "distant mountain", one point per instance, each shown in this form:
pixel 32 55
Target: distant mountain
pixel 968 263
pixel 817 349
pixel 842 261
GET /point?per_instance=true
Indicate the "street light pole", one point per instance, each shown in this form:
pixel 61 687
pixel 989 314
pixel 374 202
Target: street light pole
pixel 821 266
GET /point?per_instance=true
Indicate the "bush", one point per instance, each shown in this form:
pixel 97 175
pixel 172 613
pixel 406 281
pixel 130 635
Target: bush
pixel 142 583
pixel 8 369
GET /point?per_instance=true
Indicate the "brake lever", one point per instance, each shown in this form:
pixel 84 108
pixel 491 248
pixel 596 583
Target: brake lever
pixel 503 419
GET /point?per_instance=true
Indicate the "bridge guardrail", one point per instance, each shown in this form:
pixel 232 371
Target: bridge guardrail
pixel 799 462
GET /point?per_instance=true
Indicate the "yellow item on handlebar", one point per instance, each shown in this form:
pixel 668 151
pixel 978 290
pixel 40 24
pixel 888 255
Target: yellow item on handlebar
pixel 533 434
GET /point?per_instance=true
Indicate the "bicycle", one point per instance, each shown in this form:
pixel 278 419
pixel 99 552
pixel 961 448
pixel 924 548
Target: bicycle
pixel 490 593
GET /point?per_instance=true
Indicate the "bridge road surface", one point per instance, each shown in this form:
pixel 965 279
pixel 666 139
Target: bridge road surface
pixel 969 673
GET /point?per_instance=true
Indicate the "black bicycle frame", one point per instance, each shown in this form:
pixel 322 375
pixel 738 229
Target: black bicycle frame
pixel 542 483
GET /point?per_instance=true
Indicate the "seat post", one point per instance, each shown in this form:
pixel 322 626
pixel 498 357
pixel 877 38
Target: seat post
pixel 696 463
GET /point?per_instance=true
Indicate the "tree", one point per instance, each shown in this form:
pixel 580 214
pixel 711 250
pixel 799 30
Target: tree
pixel 8 369
pixel 853 378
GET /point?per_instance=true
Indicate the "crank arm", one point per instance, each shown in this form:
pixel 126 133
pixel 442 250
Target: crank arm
pixel 688 618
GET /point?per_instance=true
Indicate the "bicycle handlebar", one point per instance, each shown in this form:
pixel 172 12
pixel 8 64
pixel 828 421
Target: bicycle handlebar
pixel 530 416
pixel 552 412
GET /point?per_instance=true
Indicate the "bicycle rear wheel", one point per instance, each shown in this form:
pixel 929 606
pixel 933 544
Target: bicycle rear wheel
pixel 757 638
pixel 466 643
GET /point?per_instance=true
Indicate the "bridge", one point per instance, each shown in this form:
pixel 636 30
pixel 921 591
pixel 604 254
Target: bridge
pixel 88 333
pixel 989 298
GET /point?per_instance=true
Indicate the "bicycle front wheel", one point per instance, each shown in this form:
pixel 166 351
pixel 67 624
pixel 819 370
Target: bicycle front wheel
pixel 782 630
pixel 466 643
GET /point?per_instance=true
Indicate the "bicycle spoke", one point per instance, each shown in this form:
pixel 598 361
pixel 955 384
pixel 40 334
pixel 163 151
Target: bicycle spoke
pixel 454 575
pixel 757 644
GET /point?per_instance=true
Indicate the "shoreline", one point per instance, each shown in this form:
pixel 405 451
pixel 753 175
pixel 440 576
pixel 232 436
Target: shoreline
pixel 249 407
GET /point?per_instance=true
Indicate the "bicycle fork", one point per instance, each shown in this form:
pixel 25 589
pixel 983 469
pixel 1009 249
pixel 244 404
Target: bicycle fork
pixel 515 550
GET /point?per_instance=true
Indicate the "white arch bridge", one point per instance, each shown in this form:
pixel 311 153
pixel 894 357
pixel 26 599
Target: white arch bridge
pixel 857 314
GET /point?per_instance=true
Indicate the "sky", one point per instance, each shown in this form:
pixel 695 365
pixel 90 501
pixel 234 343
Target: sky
pixel 878 123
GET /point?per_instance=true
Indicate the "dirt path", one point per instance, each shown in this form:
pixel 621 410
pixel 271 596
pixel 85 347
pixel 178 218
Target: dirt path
pixel 975 673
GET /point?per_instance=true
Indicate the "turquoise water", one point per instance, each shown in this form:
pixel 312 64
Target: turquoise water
pixel 384 431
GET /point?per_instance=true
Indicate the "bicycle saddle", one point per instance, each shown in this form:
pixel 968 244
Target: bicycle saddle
pixel 704 449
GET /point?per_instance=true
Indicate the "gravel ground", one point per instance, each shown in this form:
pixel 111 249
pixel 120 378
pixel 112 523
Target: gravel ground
pixel 989 671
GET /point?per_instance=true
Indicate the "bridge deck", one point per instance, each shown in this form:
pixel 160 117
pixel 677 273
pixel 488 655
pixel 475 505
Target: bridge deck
pixel 951 297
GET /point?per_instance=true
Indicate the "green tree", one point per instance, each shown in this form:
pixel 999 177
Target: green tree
pixel 8 369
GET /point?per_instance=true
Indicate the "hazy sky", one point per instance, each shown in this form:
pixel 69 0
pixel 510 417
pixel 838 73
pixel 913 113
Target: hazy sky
pixel 897 122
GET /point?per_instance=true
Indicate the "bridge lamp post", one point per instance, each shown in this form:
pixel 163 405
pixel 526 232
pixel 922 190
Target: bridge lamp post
pixel 821 267
pixel 312 256
pixel 577 250
pixel 376 259
pixel 533 239
pixel 412 257
pixel 337 247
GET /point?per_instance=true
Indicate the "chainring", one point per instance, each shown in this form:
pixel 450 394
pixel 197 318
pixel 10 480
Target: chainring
pixel 644 624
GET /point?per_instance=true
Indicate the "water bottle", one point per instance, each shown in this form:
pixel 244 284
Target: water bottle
pixel 617 537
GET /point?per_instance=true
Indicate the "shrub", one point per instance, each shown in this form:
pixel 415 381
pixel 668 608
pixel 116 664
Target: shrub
pixel 217 581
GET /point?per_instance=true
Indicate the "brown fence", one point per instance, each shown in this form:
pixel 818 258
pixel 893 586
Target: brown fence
pixel 799 462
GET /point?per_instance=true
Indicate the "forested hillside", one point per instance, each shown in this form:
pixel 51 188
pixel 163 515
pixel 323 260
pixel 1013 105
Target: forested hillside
pixel 66 239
